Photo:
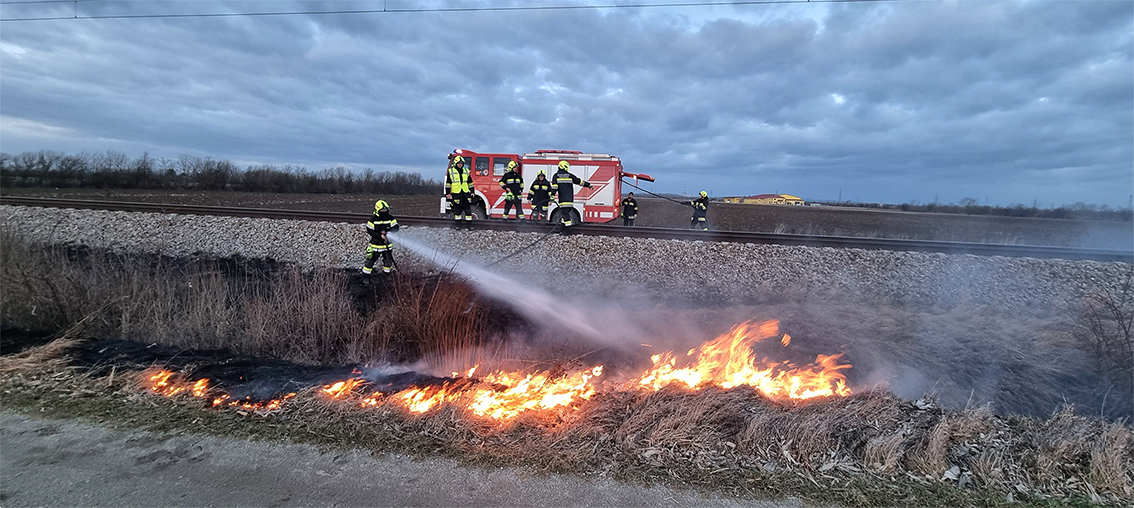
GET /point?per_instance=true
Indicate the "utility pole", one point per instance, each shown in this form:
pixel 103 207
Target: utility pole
pixel 840 194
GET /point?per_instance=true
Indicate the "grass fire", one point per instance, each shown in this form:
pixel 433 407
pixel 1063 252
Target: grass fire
pixel 724 362
pixel 833 401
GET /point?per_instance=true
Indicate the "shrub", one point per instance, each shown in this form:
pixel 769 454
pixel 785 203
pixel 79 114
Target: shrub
pixel 1106 325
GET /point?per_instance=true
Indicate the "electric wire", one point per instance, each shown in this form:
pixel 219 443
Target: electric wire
pixel 386 10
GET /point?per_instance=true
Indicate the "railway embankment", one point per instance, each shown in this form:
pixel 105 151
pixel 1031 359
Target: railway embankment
pixel 626 268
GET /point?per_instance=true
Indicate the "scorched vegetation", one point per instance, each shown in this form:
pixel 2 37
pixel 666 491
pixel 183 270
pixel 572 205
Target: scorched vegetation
pixel 181 345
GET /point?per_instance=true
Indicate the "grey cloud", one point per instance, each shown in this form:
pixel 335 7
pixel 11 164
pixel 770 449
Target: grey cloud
pixel 882 98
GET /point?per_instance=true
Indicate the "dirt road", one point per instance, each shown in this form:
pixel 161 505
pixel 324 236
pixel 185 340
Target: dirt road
pixel 64 463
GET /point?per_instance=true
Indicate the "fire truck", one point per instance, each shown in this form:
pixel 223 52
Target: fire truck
pixel 599 203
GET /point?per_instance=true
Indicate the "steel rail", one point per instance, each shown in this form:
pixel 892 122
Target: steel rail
pixel 845 242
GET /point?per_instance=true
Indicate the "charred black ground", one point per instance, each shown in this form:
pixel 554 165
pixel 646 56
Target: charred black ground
pixel 15 340
pixel 240 376
pixel 321 324
pixel 872 448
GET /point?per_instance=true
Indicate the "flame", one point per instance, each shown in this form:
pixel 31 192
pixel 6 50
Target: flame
pixel 727 362
pixel 168 384
pixel 504 395
pixel 341 388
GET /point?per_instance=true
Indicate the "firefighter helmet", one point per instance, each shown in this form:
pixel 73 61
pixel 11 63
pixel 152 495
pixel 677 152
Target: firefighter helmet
pixel 458 160
pixel 381 205
pixel 564 165
pixel 511 164
pixel 704 194
pixel 541 173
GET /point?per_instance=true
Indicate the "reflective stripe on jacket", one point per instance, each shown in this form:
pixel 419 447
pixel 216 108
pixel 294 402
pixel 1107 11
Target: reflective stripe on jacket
pixel 700 207
pixel 540 192
pixel 458 181
pixel 629 207
pixel 380 222
pixel 512 182
pixel 563 184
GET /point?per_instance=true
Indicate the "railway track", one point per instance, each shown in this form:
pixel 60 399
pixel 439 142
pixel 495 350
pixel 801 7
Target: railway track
pixel 980 249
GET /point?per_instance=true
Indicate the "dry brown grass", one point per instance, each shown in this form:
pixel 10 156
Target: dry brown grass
pixel 49 355
pixel 1105 324
pixel 1111 464
pixel 673 433
pixel 291 313
pixel 439 317
pixel 734 440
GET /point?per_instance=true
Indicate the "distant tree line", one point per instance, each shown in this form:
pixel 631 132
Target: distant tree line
pixel 970 206
pixel 115 170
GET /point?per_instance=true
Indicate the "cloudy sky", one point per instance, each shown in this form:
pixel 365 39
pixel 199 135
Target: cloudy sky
pixel 1004 101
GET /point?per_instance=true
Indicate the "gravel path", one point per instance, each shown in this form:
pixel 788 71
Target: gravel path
pixel 63 463
pixel 610 266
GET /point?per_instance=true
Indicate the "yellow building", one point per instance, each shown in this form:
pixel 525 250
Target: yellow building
pixel 767 199
pixel 792 200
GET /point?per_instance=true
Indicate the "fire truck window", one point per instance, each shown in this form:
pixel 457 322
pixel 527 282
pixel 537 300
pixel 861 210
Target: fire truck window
pixel 482 165
pixel 500 165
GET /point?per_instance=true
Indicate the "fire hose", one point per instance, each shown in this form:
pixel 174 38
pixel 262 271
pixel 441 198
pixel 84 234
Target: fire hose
pixel 530 245
pixel 559 226
pixel 526 247
pixel 684 203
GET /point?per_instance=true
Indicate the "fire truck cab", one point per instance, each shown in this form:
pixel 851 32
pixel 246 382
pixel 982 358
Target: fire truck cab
pixel 599 203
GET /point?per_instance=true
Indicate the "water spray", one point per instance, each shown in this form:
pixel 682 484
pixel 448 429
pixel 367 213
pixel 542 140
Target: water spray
pixel 535 304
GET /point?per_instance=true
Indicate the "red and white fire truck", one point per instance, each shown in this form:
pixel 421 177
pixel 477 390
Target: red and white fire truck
pixel 599 203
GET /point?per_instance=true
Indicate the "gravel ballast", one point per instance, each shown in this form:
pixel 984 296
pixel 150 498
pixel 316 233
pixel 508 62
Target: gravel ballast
pixel 714 272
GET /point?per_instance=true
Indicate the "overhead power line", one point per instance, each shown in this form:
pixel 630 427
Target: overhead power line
pixel 386 10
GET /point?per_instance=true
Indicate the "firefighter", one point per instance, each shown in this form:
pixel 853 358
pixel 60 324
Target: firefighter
pixel 629 210
pixel 700 209
pixel 563 185
pixel 539 195
pixel 459 190
pixel 513 184
pixel 380 223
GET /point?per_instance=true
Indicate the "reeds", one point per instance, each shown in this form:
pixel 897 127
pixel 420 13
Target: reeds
pixel 286 312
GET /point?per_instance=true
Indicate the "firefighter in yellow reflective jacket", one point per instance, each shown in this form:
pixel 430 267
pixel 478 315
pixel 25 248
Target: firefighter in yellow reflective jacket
pixel 379 224
pixel 700 210
pixel 459 189
pixel 539 195
pixel 513 184
pixel 563 185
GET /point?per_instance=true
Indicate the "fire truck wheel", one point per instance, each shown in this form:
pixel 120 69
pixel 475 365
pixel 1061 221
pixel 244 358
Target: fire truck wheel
pixel 478 212
pixel 556 216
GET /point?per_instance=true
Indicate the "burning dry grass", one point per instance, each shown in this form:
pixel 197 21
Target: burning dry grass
pixel 862 449
pixel 865 449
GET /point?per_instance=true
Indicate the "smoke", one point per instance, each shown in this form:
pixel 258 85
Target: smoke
pixel 571 323
pixel 939 335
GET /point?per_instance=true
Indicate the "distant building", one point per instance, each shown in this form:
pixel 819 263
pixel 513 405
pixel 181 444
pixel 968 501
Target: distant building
pixel 767 199
pixel 792 200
